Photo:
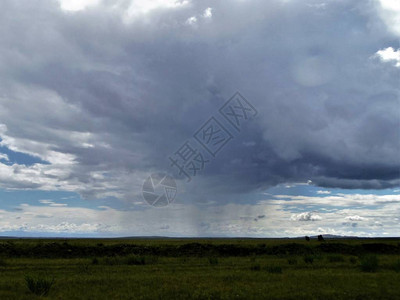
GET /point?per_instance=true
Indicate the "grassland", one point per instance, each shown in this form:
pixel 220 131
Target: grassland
pixel 199 269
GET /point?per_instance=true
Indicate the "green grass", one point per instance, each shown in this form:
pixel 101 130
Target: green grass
pixel 39 286
pixel 292 261
pixel 196 276
pixel 309 259
pixel 369 263
pixel 213 260
pixel 335 258
pixel 274 269
pixel 396 266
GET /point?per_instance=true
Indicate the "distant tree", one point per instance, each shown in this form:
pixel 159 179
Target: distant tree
pixel 321 238
pixel 307 238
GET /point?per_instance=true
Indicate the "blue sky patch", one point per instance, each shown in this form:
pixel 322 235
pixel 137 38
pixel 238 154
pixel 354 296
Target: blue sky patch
pixel 19 158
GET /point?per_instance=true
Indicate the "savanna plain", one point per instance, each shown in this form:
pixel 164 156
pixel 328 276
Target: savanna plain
pixel 162 268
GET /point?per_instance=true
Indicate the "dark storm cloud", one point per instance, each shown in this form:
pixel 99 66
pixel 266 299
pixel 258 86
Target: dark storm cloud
pixel 120 95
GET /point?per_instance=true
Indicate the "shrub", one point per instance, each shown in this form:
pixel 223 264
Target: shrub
pixel 292 261
pixel 231 278
pixel 369 263
pixel 213 260
pixel 308 259
pixel 205 294
pixel 335 258
pixel 95 261
pixel 83 268
pixel 139 260
pixel 3 262
pixel 353 260
pixel 255 267
pixel 135 260
pixel 183 259
pixel 274 269
pixel 111 261
pixel 396 266
pixel 150 259
pixel 40 286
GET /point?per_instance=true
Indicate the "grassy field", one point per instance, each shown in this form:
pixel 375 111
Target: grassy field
pixel 199 269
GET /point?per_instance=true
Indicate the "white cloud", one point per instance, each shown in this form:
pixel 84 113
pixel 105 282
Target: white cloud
pixel 207 13
pixel 306 216
pixel 4 156
pixel 323 192
pixel 136 7
pixel 355 218
pixel 390 55
pixel 45 201
pixel 191 20
pixel 140 8
pixel 52 203
pixel 391 4
pixel 390 14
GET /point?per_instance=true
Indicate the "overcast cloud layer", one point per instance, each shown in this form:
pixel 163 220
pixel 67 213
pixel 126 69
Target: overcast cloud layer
pixel 102 92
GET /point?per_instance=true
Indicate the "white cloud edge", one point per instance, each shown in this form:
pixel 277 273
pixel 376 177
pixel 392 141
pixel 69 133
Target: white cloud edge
pixel 389 54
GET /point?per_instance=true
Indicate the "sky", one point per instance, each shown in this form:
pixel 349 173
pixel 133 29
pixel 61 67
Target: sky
pixel 276 118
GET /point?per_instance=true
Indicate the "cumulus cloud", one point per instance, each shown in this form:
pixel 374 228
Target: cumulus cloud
pixel 306 216
pixel 389 54
pixel 355 218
